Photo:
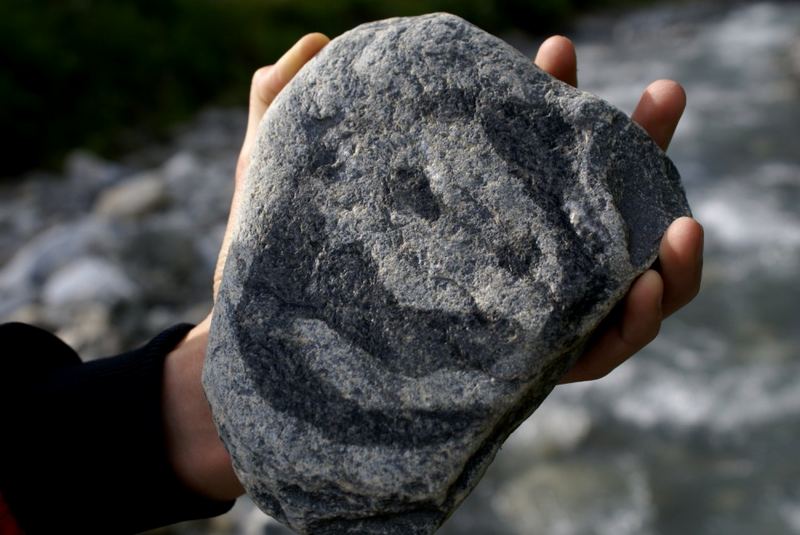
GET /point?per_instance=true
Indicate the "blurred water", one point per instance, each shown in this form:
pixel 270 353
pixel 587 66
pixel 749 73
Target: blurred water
pixel 698 434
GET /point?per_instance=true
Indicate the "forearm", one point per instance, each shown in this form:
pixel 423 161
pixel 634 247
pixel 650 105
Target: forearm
pixel 193 446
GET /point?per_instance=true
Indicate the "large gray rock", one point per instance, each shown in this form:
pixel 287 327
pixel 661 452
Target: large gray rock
pixel 431 227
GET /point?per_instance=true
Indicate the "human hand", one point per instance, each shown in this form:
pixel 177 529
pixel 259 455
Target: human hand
pixel 194 448
pixel 656 293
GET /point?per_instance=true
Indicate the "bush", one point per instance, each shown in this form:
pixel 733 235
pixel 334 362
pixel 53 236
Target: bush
pixel 99 73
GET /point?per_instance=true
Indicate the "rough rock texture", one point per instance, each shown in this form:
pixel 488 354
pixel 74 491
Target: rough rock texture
pixel 431 228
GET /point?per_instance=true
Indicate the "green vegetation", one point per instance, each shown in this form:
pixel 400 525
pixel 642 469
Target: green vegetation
pixel 99 73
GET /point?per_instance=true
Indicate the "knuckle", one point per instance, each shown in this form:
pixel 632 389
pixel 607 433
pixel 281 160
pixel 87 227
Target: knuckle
pixel 259 74
pixel 654 333
pixel 695 291
pixel 697 284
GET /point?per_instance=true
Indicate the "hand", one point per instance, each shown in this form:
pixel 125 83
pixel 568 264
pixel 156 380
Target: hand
pixel 194 448
pixel 655 294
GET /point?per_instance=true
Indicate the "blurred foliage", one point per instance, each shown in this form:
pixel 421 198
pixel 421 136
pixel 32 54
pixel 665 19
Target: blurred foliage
pixel 97 73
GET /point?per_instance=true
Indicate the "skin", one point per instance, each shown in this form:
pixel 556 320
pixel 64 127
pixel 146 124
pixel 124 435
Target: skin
pixel 195 450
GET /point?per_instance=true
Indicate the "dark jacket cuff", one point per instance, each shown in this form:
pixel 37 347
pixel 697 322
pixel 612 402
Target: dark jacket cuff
pixel 84 445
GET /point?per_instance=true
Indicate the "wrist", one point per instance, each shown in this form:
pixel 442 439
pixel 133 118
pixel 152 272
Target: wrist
pixel 194 448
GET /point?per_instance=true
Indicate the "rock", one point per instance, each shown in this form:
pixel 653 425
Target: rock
pixel 47 252
pixel 28 312
pixel 181 167
pixel 431 229
pixel 87 175
pixel 87 280
pixel 88 170
pixel 163 254
pixel 88 329
pixel 196 183
pixel 136 196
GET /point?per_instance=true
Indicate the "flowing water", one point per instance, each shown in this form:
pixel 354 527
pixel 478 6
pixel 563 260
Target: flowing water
pixel 700 432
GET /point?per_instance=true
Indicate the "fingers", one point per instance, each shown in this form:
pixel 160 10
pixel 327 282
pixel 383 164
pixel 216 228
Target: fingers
pixel 652 297
pixel 623 335
pixel 659 110
pixel 269 81
pixel 557 57
pixel 681 263
pixel 660 106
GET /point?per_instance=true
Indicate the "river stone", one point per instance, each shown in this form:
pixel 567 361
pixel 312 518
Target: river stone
pixel 429 230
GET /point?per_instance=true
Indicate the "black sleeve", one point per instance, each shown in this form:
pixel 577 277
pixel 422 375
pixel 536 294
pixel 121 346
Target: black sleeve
pixel 82 446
